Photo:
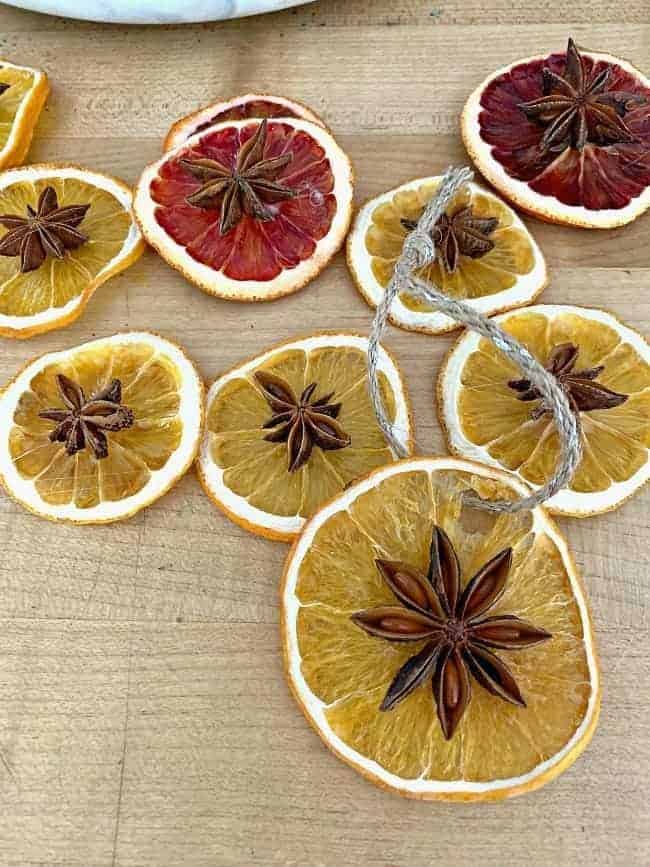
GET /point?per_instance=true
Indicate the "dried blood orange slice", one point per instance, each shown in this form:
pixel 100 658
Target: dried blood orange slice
pixel 566 137
pixel 292 427
pixel 492 415
pixel 485 254
pixel 249 210
pixel 64 231
pixel 97 432
pixel 250 105
pixel 440 652
pixel 23 92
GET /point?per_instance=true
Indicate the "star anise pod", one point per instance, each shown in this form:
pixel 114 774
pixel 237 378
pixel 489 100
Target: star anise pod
pixel 462 234
pixel 583 392
pixel 47 231
pixel 84 422
pixel 577 108
pixel 459 636
pixel 302 423
pixel 246 189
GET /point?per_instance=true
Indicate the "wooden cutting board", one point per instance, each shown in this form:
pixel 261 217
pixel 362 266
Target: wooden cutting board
pixel 144 719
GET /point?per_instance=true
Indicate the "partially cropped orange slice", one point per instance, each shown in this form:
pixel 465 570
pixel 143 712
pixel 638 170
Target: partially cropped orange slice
pixel 464 670
pixel 491 415
pixel 485 254
pixel 95 433
pixel 249 105
pixel 292 427
pixel 64 231
pixel 23 92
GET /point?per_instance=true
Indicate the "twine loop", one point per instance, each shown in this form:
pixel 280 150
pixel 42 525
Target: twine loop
pixel 419 250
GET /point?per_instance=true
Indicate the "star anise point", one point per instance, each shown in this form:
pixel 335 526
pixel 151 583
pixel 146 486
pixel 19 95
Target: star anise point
pixel 47 230
pixel 250 188
pixel 300 422
pixel 84 422
pixel 576 107
pixel 458 632
pixel 580 386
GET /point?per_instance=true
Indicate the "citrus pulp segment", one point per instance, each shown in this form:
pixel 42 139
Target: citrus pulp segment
pixel 257 481
pixel 339 673
pixel 487 417
pixel 497 265
pixel 250 105
pixel 249 210
pixel 87 249
pixel 98 432
pixel 598 175
pixel 23 93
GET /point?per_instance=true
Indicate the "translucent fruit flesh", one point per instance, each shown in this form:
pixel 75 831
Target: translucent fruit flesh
pixel 615 440
pixel 258 470
pixel 350 671
pixel 150 388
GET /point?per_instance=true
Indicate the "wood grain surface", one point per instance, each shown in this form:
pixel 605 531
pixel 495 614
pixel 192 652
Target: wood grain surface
pixel 144 718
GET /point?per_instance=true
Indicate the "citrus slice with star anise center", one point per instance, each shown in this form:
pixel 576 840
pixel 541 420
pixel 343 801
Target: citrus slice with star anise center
pixel 565 136
pixel 98 432
pixel 248 210
pixel 441 651
pixel 249 105
pixel 64 231
pixel 485 254
pixel 493 415
pixel 23 93
pixel 293 426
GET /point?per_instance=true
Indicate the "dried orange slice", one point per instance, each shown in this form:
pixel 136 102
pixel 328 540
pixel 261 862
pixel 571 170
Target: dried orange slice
pixel 292 427
pixel 250 105
pixel 249 210
pixel 565 136
pixel 63 232
pixel 485 254
pixel 492 415
pixel 98 432
pixel 441 652
pixel 23 93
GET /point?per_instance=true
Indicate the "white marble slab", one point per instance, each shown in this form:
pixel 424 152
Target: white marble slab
pixel 154 11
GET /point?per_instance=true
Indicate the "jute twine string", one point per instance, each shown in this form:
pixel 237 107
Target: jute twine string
pixel 419 250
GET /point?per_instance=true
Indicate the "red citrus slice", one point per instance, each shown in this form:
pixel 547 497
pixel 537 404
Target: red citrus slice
pixel 248 210
pixel 566 137
pixel 250 105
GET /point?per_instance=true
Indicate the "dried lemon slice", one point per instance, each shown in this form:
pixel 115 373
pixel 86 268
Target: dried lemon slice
pixel 492 415
pixel 65 231
pixel 485 254
pixel 292 427
pixel 424 681
pixel 23 92
pixel 98 432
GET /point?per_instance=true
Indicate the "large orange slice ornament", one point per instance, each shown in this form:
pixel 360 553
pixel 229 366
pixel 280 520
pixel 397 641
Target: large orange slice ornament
pixel 565 136
pixel 248 210
pixel 443 654
pixel 249 105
